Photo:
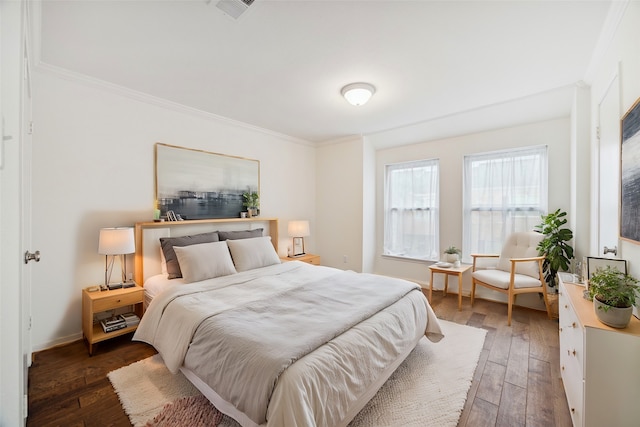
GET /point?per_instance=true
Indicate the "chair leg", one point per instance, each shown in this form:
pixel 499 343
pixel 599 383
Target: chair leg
pixel 546 304
pixel 473 290
pixel 509 309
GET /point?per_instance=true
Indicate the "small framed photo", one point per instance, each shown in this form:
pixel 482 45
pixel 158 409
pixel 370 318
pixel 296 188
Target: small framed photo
pixel 298 246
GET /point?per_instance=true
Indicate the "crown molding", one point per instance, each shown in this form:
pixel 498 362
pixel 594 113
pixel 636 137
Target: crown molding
pixel 609 30
pixel 157 101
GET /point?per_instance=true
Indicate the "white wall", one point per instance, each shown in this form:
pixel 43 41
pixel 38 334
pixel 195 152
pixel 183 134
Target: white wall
pixel 624 52
pixel 553 133
pixel 340 201
pixel 93 167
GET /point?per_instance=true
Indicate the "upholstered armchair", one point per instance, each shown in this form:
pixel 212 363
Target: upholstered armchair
pixel 518 269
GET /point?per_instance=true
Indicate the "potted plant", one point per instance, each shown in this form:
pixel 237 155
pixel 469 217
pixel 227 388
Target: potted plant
pixel 555 245
pixel 614 295
pixel 250 201
pixel 452 253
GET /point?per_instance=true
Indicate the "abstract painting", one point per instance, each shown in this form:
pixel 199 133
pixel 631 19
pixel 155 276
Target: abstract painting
pixel 196 184
pixel 630 175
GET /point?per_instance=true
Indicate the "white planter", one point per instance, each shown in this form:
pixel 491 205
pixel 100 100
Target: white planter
pixel 451 257
pixel 614 317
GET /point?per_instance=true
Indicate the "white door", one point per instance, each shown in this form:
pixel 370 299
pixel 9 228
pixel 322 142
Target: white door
pixel 608 170
pixel 15 208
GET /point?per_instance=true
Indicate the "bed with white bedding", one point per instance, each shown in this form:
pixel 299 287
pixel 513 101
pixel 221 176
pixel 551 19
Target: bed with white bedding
pixel 282 344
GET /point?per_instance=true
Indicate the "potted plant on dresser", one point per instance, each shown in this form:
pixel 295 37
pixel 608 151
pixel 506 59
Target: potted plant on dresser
pixel 614 295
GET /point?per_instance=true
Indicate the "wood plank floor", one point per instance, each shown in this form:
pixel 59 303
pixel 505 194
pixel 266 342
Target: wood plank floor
pixel 517 382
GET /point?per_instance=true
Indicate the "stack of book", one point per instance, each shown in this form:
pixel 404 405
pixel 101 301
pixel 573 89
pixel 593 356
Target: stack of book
pixel 131 319
pixel 113 324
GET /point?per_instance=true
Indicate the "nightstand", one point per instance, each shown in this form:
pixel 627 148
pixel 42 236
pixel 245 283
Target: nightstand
pixel 103 301
pixel 308 258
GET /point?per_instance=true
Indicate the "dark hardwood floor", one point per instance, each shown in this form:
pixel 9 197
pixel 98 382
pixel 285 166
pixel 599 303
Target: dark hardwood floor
pixel 517 382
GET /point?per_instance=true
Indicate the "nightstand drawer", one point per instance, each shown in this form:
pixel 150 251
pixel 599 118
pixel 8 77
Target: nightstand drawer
pixel 315 260
pixel 118 300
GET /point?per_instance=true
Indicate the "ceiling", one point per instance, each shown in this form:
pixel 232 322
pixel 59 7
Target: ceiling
pixel 281 65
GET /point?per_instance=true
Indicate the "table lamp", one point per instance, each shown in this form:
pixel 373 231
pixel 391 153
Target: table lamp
pixel 116 241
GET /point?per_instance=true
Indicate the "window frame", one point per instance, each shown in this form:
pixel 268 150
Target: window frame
pixel 432 208
pixel 510 221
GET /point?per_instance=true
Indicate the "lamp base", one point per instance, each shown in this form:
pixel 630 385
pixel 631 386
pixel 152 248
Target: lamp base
pixel 297 255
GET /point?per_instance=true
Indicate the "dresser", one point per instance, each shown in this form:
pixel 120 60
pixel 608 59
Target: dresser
pixel 600 366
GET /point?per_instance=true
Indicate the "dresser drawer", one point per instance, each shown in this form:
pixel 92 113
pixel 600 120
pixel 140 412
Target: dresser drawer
pixel 117 300
pixel 571 336
pixel 574 389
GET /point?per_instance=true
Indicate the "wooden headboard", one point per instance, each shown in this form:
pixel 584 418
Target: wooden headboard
pixel 148 261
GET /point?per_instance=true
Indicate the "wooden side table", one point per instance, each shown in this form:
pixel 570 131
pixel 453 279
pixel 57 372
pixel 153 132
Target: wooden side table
pixel 100 301
pixel 308 258
pixel 451 271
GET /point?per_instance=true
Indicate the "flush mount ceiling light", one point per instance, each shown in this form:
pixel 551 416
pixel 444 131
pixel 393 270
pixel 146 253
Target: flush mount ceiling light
pixel 358 93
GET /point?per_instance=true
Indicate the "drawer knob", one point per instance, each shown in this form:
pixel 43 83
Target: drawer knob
pixel 562 367
pixel 571 353
pixel 566 306
pixel 573 325
pixel 119 300
pixel 573 410
pixel 560 328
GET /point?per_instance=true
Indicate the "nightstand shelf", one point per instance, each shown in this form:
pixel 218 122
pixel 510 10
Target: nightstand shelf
pixel 104 301
pixel 308 258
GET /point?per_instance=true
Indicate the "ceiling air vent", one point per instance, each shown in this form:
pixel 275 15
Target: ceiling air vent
pixel 234 8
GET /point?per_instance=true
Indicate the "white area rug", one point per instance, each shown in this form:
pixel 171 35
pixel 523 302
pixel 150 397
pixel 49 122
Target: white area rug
pixel 428 389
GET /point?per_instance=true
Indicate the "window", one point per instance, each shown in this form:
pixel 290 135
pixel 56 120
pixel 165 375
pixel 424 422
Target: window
pixel 504 192
pixel 411 219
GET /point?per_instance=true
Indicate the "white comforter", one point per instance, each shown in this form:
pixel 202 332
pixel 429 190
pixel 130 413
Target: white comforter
pixel 177 331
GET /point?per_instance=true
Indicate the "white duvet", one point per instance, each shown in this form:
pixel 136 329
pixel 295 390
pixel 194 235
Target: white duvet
pixel 327 386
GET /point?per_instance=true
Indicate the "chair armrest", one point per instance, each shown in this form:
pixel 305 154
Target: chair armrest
pixel 534 258
pixel 480 256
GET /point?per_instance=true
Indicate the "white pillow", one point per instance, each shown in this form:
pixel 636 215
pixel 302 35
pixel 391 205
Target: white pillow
pixel 253 253
pixel 204 261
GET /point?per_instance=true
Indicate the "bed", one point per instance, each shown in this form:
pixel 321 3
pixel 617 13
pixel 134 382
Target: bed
pixel 273 343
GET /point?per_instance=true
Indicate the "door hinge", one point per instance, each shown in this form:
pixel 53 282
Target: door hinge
pixel 598 132
pixel 25 406
pixel 30 128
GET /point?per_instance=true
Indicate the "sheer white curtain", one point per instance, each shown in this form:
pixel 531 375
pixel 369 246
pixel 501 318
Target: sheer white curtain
pixel 504 192
pixel 411 215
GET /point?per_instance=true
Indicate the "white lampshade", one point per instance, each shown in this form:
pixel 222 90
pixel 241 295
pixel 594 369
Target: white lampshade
pixel 298 229
pixel 358 93
pixel 116 241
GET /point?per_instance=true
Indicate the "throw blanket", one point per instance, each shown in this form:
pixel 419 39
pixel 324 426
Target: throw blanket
pixel 255 343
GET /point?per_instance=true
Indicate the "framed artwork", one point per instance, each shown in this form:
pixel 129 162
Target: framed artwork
pixel 196 184
pixel 594 263
pixel 630 175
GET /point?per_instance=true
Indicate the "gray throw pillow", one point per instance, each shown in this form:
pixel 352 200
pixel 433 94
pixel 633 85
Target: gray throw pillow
pixel 236 235
pixel 167 244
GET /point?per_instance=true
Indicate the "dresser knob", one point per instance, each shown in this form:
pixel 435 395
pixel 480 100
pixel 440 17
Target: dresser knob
pixel 573 410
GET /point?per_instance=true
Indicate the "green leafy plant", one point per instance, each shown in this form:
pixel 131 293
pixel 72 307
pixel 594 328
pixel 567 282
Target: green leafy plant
pixel 555 245
pixel 452 250
pixel 250 199
pixel 613 288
